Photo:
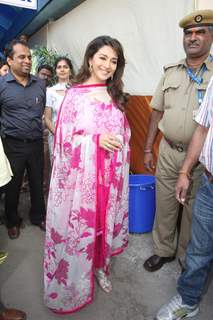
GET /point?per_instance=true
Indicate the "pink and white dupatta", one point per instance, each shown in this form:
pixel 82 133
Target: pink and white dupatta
pixel 87 213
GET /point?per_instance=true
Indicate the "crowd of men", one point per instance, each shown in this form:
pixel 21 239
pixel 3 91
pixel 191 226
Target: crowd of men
pixel 181 113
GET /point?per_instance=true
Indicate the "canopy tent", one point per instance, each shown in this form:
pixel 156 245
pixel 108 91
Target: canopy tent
pixel 15 20
pixel 12 20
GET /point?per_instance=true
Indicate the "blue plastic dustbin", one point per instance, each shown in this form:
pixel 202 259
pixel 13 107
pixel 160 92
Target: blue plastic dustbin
pixel 141 203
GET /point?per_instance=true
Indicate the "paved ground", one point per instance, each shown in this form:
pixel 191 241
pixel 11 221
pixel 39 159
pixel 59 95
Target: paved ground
pixel 136 293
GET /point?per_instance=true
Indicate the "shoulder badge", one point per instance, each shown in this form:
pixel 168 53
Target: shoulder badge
pixel 170 65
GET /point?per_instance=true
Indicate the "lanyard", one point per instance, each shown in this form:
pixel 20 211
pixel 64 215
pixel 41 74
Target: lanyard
pixel 198 80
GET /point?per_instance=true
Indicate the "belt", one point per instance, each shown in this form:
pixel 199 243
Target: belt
pixel 180 147
pixel 26 140
pixel 209 176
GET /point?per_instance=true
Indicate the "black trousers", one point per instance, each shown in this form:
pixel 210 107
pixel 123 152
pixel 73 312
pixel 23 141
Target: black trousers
pixel 23 155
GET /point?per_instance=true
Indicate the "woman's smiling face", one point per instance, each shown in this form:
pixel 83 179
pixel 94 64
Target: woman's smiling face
pixel 103 64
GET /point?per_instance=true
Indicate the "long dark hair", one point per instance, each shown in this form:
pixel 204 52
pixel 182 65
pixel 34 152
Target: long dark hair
pixel 115 85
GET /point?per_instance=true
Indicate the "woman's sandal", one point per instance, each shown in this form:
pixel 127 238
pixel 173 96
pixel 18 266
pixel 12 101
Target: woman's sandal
pixel 103 281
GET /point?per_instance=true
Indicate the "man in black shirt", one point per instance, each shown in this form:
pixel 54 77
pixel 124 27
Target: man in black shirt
pixel 22 102
pixel 45 72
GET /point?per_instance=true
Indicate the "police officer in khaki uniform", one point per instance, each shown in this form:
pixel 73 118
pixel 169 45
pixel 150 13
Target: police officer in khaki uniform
pixel 175 104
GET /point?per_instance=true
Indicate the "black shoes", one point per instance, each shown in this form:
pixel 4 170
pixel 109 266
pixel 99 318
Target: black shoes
pixel 12 314
pixel 155 262
pixel 13 232
pixel 41 225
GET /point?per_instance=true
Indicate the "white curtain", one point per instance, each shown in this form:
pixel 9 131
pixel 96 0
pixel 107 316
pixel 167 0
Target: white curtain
pixel 147 29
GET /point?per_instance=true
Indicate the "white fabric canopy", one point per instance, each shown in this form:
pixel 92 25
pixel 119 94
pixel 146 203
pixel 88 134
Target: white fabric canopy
pixel 148 31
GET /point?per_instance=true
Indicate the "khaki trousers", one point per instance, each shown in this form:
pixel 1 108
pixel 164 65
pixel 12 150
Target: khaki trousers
pixel 165 236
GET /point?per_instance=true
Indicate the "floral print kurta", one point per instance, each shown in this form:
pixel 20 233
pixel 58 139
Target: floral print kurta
pixel 88 197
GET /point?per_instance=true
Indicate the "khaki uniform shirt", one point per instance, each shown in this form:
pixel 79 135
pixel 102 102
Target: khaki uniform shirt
pixel 177 97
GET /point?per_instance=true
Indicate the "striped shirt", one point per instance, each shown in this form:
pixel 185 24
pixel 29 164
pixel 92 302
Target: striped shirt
pixel 205 118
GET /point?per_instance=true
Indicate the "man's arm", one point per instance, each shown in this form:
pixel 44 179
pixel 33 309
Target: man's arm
pixel 152 132
pixel 191 159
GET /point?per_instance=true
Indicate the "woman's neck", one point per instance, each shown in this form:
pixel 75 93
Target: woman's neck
pixel 63 81
pixel 92 81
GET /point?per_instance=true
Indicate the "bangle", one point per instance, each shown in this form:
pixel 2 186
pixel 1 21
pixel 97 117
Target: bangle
pixel 147 151
pixel 186 173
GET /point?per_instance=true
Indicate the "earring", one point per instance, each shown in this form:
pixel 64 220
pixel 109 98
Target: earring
pixel 111 77
pixel 90 68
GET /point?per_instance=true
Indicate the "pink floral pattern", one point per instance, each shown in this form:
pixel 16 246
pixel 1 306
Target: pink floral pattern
pixel 88 195
pixel 61 272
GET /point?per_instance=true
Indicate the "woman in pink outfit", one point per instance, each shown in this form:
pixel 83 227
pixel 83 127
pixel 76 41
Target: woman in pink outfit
pixel 87 214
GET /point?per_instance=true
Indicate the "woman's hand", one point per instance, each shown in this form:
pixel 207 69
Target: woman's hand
pixel 48 119
pixel 110 142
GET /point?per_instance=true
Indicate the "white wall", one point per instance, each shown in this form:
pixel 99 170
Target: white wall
pixel 148 31
pixel 39 38
pixel 204 4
